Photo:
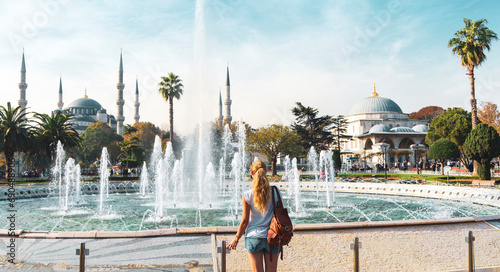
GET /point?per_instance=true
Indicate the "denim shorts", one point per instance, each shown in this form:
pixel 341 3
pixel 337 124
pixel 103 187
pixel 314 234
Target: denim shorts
pixel 259 245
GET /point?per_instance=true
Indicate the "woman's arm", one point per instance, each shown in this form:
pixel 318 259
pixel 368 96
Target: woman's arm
pixel 243 224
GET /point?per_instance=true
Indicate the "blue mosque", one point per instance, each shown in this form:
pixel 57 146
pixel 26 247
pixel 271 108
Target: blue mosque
pixel 86 110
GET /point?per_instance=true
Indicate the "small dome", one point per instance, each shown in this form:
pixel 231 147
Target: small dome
pixel 83 118
pixel 85 103
pixel 420 128
pixel 402 129
pixel 375 104
pixel 380 128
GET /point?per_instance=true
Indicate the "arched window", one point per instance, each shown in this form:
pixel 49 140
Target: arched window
pixel 388 141
pixel 405 143
pixel 368 144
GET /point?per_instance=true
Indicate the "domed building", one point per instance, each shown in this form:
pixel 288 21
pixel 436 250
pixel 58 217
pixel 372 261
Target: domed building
pixel 376 123
pixel 88 111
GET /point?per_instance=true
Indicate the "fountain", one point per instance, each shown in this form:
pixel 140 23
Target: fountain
pixel 170 195
pixel 312 158
pixel 144 179
pixel 104 183
pixel 328 174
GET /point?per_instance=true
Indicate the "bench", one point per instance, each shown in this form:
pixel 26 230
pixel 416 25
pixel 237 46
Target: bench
pixel 485 183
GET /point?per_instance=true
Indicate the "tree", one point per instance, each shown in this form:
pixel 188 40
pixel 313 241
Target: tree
pixel 128 129
pixel 469 44
pixel 454 124
pixel 339 129
pixel 130 147
pixel 273 140
pixel 442 150
pixel 426 113
pixel 146 133
pixel 482 145
pixel 489 114
pixel 54 128
pixel 97 136
pixel 170 88
pixel 131 151
pixel 311 129
pixel 16 135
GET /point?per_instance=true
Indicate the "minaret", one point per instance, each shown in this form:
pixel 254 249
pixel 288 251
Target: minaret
pixel 120 118
pixel 22 86
pixel 137 104
pixel 227 102
pixel 60 104
pixel 221 118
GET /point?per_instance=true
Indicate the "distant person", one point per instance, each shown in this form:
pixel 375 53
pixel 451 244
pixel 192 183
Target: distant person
pixel 257 215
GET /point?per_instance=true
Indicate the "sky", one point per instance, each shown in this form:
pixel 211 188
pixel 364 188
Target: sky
pixel 324 54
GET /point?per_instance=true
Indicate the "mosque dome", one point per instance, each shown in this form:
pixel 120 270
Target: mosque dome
pixel 380 128
pixel 402 129
pixel 375 104
pixel 420 128
pixel 85 103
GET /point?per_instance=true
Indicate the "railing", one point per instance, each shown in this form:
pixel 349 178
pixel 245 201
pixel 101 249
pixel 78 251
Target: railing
pixel 356 246
pixel 370 249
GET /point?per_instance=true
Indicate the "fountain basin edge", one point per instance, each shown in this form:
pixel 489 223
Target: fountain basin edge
pixel 223 229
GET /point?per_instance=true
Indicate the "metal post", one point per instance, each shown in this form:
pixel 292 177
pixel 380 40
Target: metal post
pixel 223 256
pixel 82 257
pixel 470 240
pixel 356 246
pixel 385 165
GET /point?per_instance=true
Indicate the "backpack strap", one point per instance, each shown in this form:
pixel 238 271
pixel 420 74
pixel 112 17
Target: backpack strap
pixel 279 203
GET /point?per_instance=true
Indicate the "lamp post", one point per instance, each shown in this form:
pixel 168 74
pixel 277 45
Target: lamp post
pixel 385 147
pixel 416 148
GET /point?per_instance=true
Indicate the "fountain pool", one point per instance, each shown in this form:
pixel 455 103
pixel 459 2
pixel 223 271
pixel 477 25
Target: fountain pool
pixel 132 211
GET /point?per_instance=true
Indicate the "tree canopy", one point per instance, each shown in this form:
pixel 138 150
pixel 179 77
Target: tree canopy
pixel 339 129
pixel 426 113
pixel 454 124
pixel 273 140
pixel 97 136
pixel 145 132
pixel 489 114
pixel 442 150
pixel 15 132
pixel 312 129
pixel 52 129
pixel 482 145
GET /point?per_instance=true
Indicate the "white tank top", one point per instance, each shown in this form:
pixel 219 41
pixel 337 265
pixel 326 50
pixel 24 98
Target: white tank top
pixel 258 225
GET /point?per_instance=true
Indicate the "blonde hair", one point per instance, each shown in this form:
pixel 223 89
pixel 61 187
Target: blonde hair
pixel 260 186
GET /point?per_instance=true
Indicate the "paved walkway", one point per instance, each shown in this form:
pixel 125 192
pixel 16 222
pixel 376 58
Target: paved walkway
pixel 403 247
pixel 385 249
pixel 168 253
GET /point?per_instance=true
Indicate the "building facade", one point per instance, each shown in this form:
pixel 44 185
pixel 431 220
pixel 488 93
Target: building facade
pixel 382 133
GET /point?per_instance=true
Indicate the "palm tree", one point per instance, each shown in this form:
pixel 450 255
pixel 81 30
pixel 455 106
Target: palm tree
pixel 469 44
pixel 170 88
pixel 16 135
pixel 54 128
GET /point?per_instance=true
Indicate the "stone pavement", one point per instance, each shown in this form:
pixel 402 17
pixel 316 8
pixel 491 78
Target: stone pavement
pixel 417 245
pixel 399 248
pixel 168 253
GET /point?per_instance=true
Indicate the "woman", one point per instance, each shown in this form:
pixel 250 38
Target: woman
pixel 257 215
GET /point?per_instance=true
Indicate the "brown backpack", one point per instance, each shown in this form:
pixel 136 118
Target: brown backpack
pixel 281 229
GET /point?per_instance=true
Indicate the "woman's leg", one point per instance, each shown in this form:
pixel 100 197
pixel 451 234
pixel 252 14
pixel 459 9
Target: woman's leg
pixel 271 266
pixel 256 262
